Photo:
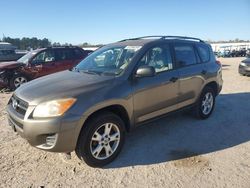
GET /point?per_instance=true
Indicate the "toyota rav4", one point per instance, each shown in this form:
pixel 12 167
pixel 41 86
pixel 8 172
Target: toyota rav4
pixel 122 85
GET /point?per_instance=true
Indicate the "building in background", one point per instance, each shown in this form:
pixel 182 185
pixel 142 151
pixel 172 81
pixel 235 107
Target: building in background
pixel 230 46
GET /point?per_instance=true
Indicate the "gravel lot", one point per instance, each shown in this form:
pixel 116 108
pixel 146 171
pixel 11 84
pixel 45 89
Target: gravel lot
pixel 177 151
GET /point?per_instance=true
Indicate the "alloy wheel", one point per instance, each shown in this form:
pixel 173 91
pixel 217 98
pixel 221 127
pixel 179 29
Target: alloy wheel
pixel 105 141
pixel 19 81
pixel 207 103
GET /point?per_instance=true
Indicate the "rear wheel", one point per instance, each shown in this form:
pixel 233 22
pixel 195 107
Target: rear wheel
pixel 17 80
pixel 101 139
pixel 205 105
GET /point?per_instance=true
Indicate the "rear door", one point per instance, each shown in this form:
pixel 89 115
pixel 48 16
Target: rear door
pixel 64 59
pixel 78 55
pixel 192 72
pixel 157 95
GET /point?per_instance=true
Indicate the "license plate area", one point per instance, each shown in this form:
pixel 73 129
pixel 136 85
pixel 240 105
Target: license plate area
pixel 12 125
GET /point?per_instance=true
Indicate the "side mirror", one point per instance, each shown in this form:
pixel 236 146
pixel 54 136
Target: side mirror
pixel 145 71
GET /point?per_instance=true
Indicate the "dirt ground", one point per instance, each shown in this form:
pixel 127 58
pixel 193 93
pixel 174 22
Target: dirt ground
pixel 177 151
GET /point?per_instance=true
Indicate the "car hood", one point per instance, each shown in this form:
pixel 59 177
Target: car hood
pixel 246 61
pixel 61 85
pixel 10 64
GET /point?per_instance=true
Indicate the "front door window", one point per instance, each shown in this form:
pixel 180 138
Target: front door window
pixel 158 57
pixel 44 57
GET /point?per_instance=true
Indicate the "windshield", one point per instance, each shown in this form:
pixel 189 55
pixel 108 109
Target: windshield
pixel 108 61
pixel 25 59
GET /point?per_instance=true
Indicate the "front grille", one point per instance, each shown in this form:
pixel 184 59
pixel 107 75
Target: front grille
pixel 12 121
pixel 19 105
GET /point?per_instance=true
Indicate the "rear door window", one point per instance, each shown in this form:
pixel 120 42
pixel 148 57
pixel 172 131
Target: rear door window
pixel 203 51
pixel 64 54
pixel 185 54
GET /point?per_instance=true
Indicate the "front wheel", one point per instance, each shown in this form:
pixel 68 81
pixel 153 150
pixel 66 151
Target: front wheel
pixel 206 103
pixel 101 139
pixel 17 80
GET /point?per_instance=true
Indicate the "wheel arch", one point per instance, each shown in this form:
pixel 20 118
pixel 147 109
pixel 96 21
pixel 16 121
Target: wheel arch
pixel 212 85
pixel 117 109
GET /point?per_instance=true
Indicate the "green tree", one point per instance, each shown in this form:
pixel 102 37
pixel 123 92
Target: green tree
pixel 27 43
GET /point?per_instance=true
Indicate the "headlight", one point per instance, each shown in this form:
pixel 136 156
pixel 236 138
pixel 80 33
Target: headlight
pixel 1 72
pixel 243 64
pixel 53 108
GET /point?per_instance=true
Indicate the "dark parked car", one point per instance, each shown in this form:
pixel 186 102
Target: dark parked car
pixel 39 63
pixel 248 53
pixel 10 55
pixel 244 67
pixel 242 53
pixel 234 53
pixel 9 52
pixel 116 88
pixel 225 53
pixel 238 53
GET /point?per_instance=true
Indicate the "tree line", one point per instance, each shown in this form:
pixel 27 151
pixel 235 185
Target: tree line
pixel 26 43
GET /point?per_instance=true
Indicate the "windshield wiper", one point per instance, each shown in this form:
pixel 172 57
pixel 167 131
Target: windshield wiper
pixel 75 69
pixel 107 73
pixel 112 73
pixel 90 72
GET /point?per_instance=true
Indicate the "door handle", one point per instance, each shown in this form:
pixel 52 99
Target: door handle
pixel 203 72
pixel 173 79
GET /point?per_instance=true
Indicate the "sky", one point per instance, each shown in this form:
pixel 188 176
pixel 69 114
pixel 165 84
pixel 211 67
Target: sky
pixel 106 21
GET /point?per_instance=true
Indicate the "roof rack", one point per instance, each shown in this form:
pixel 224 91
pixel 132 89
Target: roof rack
pixel 164 37
pixel 137 38
pixel 183 37
pixel 62 46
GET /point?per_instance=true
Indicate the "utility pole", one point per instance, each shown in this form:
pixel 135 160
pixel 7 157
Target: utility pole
pixel 3 37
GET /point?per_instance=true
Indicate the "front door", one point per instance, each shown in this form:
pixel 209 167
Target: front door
pixel 157 95
pixel 43 64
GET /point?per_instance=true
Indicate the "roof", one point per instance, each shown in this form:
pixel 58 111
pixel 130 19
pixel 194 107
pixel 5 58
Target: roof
pixel 137 42
pixel 63 47
pixel 140 41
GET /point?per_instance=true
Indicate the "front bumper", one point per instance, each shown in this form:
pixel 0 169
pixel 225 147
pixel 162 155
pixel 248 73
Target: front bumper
pixel 3 82
pixel 53 134
pixel 244 70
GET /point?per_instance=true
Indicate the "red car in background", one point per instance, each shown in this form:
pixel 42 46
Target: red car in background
pixel 39 63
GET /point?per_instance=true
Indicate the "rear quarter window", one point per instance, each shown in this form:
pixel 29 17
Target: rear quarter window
pixel 64 54
pixel 204 52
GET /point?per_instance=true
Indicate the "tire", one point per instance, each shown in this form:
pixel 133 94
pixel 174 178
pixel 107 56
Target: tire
pixel 94 152
pixel 17 80
pixel 205 103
